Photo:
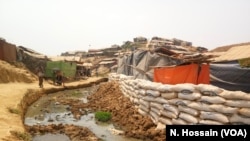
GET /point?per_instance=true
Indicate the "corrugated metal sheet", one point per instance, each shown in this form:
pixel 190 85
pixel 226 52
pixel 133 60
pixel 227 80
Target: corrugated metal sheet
pixel 68 68
pixel 235 53
pixel 7 51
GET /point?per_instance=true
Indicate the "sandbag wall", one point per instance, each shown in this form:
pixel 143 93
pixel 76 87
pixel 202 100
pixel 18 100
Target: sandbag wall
pixel 185 103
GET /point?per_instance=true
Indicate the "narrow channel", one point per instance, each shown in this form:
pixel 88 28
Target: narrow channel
pixel 47 110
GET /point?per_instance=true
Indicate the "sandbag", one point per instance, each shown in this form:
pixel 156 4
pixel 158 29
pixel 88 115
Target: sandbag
pixel 214 116
pixel 183 87
pixel 153 93
pixel 154 115
pixel 156 105
pixel 200 106
pixel 188 110
pixel 142 92
pixel 155 110
pixel 235 95
pixel 238 103
pixel 144 103
pixel 189 96
pixel 142 112
pixel 179 121
pixel 209 89
pixel 223 109
pixel 187 117
pixel 165 120
pixel 161 100
pixel 149 98
pixel 178 101
pixel 245 112
pixel 168 114
pixel 239 119
pixel 144 108
pixel 171 108
pixel 213 99
pixel 169 95
pixel 164 88
pixel 210 122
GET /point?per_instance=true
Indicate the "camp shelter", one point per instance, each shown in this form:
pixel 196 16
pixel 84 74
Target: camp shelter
pixel 140 63
pixel 227 72
pixel 7 51
pixel 191 73
pixel 68 68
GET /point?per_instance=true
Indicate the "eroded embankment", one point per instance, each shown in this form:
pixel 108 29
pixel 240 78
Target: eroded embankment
pixel 74 132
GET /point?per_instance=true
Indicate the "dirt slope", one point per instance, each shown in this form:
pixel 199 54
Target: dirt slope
pixel 11 73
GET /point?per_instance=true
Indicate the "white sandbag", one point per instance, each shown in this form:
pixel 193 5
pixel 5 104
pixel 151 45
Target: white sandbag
pixel 187 117
pixel 183 87
pixel 144 103
pixel 214 116
pixel 142 112
pixel 142 92
pixel 160 126
pixel 239 119
pixel 155 116
pixel 153 93
pixel 155 110
pixel 210 122
pixel 179 121
pixel 200 106
pixel 169 95
pixel 161 100
pixel 136 101
pixel 245 112
pixel 164 88
pixel 235 95
pixel 147 85
pixel 238 103
pixel 223 109
pixel 165 120
pixel 213 99
pixel 144 108
pixel 188 110
pixel 209 89
pixel 178 101
pixel 149 98
pixel 189 96
pixel 156 105
pixel 171 108
pixel 168 114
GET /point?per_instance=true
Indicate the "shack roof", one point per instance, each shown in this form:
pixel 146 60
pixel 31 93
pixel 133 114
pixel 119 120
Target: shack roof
pixel 235 53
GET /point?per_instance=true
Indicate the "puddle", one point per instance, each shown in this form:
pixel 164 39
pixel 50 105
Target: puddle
pixel 47 111
pixel 51 137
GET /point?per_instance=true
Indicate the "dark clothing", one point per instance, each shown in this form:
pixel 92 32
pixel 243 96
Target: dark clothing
pixel 59 79
pixel 40 82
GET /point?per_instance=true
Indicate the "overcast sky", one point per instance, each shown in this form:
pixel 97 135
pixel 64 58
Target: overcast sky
pixel 55 26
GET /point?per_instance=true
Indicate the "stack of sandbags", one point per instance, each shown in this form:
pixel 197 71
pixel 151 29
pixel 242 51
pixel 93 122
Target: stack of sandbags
pixel 186 103
pixel 240 101
pixel 113 77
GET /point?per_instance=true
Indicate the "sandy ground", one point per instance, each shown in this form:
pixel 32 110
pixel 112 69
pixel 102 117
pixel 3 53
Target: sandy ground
pixel 10 96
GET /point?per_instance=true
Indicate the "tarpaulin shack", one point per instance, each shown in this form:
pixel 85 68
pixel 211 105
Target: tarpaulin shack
pixel 68 68
pixel 231 70
pixel 7 51
pixel 192 73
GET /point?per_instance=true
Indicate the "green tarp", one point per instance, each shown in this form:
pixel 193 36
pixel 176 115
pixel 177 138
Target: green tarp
pixel 68 68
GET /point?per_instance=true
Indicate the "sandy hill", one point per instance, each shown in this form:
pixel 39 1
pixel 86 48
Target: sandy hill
pixel 15 73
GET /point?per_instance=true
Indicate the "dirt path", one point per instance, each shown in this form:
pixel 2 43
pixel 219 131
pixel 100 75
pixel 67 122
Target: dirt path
pixel 10 96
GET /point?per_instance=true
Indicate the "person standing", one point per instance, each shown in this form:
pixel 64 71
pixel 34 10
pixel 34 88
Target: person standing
pixel 40 77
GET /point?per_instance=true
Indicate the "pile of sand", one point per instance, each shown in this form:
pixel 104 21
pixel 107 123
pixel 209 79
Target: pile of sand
pixel 15 73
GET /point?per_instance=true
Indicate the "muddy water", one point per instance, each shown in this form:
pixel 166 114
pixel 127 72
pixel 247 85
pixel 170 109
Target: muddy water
pixel 47 111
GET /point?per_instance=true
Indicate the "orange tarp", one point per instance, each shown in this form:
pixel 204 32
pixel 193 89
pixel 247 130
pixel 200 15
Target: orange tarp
pixel 192 73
